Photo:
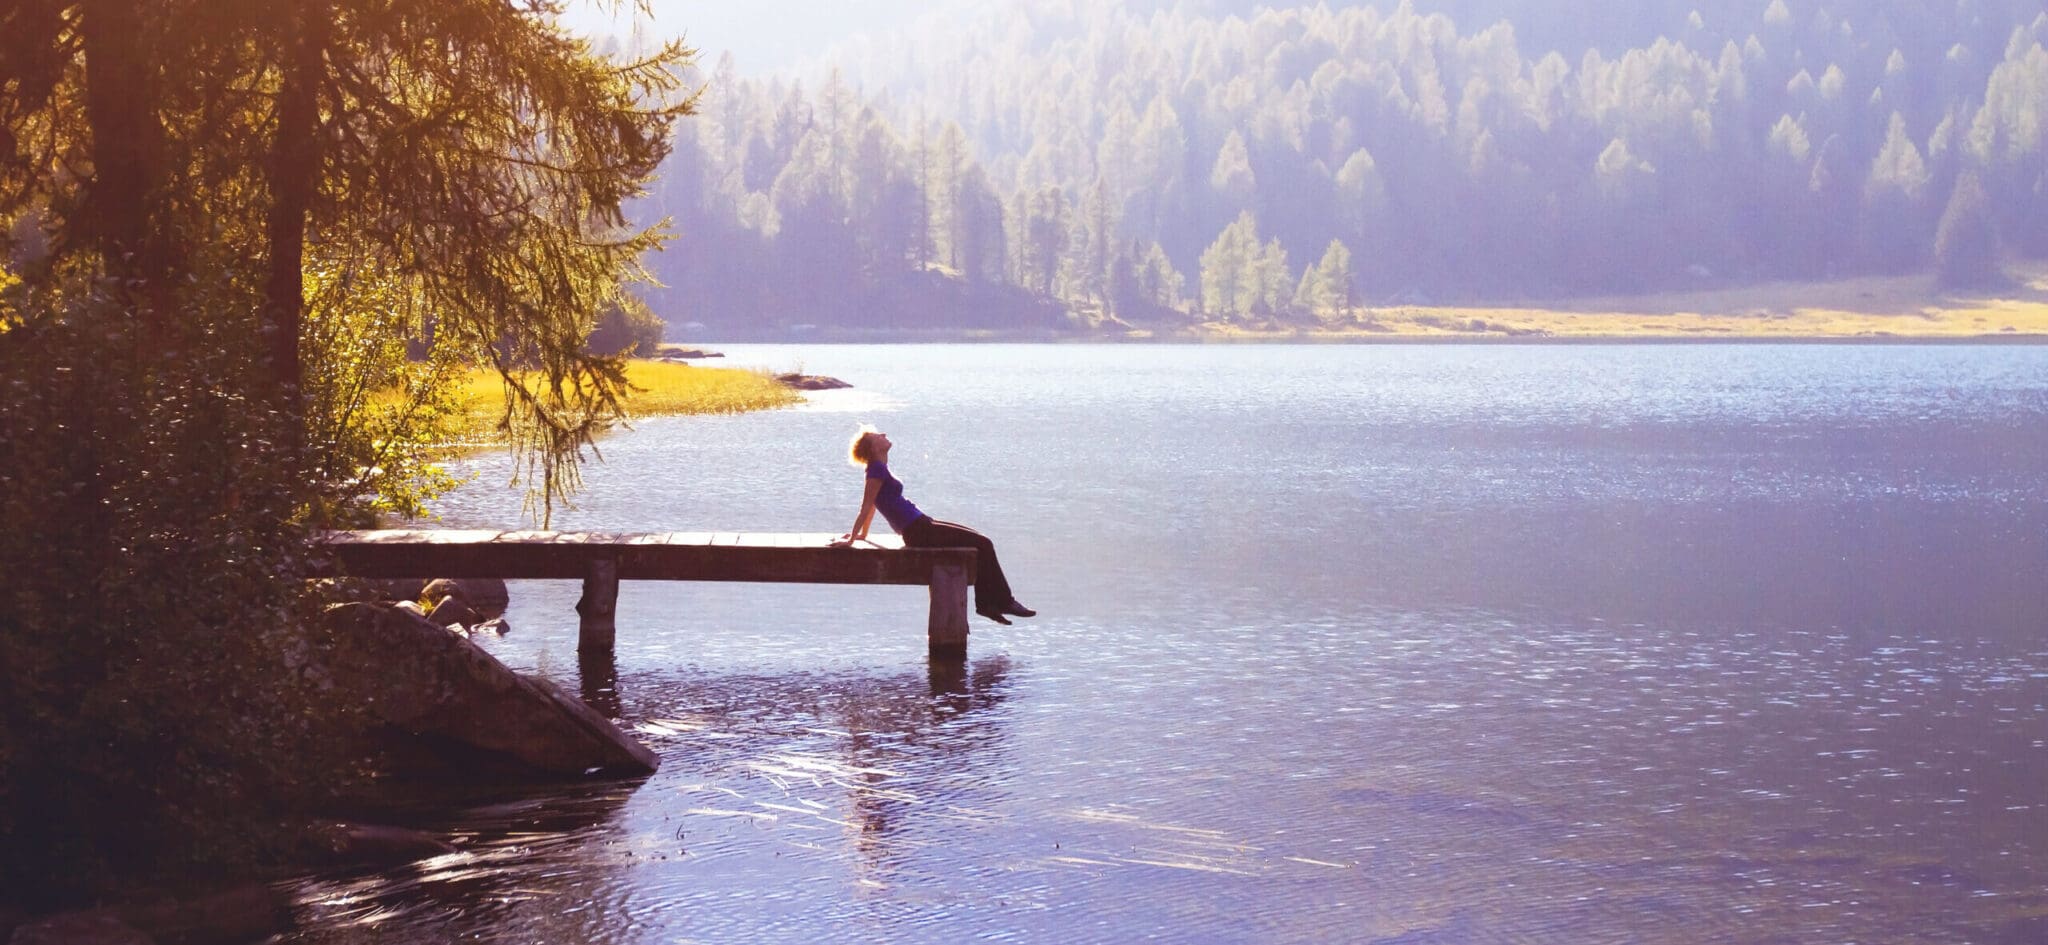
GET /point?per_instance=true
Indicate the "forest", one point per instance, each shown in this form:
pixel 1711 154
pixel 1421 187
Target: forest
pixel 1071 164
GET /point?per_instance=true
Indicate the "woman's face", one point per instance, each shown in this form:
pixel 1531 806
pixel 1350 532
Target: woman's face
pixel 878 445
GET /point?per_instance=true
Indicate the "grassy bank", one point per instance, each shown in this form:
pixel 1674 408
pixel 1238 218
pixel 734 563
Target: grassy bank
pixel 660 388
pixel 1900 307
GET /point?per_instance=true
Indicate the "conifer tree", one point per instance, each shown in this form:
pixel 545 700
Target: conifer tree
pixel 1966 242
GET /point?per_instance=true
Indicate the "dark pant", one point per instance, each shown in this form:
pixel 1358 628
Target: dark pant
pixel 991 589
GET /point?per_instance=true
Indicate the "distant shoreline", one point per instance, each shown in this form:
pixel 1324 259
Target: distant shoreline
pixel 954 336
pixel 1885 310
pixel 1866 310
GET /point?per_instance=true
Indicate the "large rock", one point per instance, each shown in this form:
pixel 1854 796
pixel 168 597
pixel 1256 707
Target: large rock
pixel 487 596
pixel 419 678
pixel 451 610
pixel 796 381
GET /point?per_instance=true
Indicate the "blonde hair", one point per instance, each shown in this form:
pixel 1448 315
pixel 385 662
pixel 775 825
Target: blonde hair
pixel 858 452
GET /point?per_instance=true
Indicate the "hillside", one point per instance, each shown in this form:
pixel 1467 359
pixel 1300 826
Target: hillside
pixel 1238 167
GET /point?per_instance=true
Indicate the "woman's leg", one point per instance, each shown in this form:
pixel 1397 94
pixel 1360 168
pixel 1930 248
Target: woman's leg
pixel 991 589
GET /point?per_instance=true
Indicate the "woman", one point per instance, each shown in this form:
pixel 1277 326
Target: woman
pixel 885 493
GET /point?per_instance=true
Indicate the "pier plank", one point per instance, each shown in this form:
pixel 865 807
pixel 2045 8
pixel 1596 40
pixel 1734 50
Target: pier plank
pixel 602 559
pixel 805 558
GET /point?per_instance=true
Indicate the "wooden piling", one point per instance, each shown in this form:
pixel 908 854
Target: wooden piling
pixel 598 629
pixel 946 632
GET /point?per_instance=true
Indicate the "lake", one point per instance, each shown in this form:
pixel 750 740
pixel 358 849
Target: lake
pixel 1399 644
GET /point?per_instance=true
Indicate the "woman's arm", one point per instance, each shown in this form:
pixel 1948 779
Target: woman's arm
pixel 859 532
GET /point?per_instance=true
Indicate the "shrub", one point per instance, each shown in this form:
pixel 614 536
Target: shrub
pixel 157 717
pixel 629 330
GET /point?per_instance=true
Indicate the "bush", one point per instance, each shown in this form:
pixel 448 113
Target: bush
pixel 157 717
pixel 630 330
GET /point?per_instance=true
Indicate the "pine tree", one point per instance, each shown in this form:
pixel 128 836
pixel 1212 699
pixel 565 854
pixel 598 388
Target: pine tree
pixel 1234 281
pixel 1966 243
pixel 1893 232
pixel 1275 281
pixel 1325 291
pixel 1231 176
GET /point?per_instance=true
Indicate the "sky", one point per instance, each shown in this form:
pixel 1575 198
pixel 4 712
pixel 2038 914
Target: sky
pixel 763 35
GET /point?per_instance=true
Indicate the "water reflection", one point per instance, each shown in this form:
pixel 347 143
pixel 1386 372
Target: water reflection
pixel 597 671
pixel 846 774
pixel 506 840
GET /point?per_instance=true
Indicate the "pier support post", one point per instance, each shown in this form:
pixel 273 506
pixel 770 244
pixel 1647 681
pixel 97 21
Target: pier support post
pixel 600 604
pixel 946 634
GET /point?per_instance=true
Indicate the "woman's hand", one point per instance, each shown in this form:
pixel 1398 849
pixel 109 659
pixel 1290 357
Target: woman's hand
pixel 843 541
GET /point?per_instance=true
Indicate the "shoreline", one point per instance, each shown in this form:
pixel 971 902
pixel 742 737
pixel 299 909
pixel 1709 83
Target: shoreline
pixel 1907 309
pixel 953 336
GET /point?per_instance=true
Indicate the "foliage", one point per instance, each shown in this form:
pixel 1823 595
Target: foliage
pixel 1458 148
pixel 378 400
pixel 159 717
pixel 248 254
pixel 1966 247
pixel 466 160
pixel 1326 291
pixel 628 330
pixel 1242 278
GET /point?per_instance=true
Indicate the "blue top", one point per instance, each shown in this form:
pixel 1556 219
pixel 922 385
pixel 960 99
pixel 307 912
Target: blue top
pixel 890 501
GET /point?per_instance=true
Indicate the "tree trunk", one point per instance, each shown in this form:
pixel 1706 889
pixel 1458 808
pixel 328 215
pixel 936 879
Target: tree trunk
pixel 294 176
pixel 127 144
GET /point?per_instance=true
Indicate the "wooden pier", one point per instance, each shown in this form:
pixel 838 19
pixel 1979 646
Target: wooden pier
pixel 601 560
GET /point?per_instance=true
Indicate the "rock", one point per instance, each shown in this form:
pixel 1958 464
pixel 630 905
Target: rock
pixel 411 607
pixel 417 677
pixel 367 845
pixel 245 914
pixel 488 597
pixel 495 625
pixel 79 928
pixel 438 590
pixel 680 353
pixel 451 611
pixel 811 382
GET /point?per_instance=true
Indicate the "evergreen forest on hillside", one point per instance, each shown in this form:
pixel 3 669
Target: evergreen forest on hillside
pixel 1047 165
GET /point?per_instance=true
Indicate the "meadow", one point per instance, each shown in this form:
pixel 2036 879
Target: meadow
pixel 659 388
